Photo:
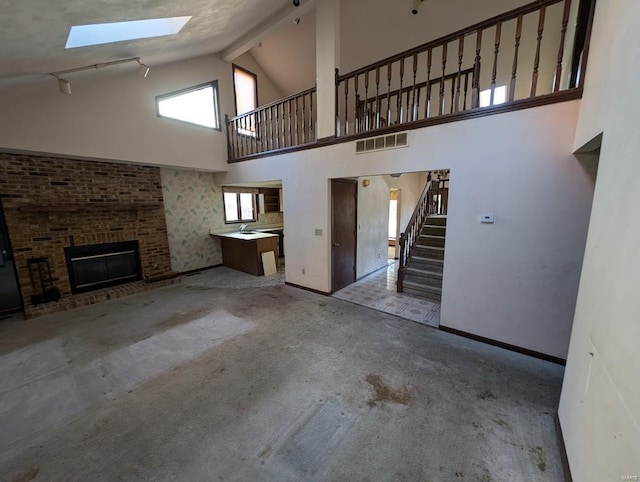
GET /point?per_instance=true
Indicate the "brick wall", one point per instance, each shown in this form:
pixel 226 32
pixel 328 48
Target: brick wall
pixel 52 203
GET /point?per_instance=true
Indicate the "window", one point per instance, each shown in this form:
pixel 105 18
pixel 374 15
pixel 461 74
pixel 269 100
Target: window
pixel 104 33
pixel 196 105
pixel 245 88
pixel 499 96
pixel 239 206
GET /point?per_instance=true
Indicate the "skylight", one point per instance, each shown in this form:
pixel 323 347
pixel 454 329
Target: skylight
pixel 104 33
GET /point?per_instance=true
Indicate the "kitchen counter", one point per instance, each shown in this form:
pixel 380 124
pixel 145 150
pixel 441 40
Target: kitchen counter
pixel 243 251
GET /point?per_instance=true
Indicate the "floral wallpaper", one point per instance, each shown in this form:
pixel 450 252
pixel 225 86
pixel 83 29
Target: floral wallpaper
pixel 193 206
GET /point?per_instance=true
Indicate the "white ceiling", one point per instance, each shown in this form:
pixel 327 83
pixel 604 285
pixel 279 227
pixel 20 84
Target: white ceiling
pixel 33 33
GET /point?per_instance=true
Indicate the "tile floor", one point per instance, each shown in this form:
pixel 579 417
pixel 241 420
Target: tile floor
pixel 378 291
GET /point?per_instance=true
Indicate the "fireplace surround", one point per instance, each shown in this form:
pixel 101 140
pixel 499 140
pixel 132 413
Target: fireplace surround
pixel 100 265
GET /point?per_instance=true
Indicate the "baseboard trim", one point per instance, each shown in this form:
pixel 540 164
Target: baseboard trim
pixel 318 292
pixel 506 346
pixel 198 270
pixel 563 450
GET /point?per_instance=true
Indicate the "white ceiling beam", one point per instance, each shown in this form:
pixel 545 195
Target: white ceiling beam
pixel 259 33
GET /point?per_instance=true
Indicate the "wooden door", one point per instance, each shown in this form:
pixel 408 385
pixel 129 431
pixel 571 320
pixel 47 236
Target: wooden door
pixel 343 232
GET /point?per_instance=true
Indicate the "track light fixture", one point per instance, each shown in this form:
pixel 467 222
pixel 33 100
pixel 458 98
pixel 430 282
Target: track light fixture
pixel 65 86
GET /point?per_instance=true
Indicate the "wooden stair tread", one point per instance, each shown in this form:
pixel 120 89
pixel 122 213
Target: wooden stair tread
pixel 424 272
pixel 421 287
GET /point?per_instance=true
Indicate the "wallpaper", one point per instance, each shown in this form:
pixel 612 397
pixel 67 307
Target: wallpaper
pixel 193 206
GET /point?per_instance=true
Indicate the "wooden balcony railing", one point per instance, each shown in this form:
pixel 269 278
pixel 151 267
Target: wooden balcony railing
pixel 514 56
pixel 281 125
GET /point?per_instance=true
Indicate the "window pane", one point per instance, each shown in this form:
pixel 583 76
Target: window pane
pixel 231 206
pixel 499 96
pixel 245 87
pixel 198 106
pixel 393 218
pixel 246 205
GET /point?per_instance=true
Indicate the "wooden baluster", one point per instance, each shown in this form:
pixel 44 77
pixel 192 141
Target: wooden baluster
pixel 346 106
pixel 514 70
pixel 399 99
pixel 243 151
pixel 414 107
pixel 304 119
pixel 475 89
pixel 389 73
pixel 459 80
pixel 536 62
pixel 356 117
pixel 453 93
pixel 311 133
pixel 495 60
pixel 268 128
pixel 444 69
pixel 466 89
pixel 378 106
pixel 252 139
pixel 427 102
pixel 563 34
pixel 366 101
pixel 283 125
pixel 276 127
pixel 297 130
pixel 291 143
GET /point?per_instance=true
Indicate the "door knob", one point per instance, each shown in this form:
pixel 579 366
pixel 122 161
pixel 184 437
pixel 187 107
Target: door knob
pixel 336 244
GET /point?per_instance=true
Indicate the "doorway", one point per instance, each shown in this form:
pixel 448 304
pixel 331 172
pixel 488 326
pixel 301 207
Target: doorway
pixel 394 223
pixel 344 209
pixel 10 298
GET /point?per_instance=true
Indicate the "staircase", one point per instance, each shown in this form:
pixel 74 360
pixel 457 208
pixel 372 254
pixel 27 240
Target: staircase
pixel 423 272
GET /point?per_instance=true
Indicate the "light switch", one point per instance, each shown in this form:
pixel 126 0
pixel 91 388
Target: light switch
pixel 487 218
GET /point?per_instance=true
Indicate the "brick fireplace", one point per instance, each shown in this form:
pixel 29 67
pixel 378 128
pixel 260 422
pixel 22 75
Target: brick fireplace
pixel 53 204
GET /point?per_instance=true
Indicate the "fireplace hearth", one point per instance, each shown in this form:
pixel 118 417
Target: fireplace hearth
pixel 101 265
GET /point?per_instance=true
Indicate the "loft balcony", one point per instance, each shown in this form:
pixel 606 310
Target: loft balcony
pixel 527 57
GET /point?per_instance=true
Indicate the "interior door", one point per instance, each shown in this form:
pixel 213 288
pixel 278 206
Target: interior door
pixel 343 232
pixel 10 300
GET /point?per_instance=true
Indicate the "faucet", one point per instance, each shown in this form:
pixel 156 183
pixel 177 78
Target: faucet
pixel 242 228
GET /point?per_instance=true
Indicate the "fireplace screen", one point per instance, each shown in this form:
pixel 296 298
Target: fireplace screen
pixel 100 265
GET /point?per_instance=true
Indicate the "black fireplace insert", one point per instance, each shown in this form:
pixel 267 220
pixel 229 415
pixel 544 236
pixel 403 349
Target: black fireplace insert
pixel 101 265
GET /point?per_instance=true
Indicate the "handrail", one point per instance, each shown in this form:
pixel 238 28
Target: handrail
pixel 408 238
pixel 283 124
pixel 510 15
pixel 441 76
pixel 275 102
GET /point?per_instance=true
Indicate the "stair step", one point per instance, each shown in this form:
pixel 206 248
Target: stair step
pixel 431 240
pixel 432 229
pixel 437 220
pixel 424 273
pixel 430 292
pixel 432 252
pixel 429 264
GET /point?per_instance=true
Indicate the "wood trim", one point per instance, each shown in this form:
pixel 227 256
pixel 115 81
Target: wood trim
pixel 563 96
pixel 274 103
pixel 318 292
pixel 563 450
pixel 506 346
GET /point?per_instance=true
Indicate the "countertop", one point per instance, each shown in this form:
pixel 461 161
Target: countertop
pixel 244 236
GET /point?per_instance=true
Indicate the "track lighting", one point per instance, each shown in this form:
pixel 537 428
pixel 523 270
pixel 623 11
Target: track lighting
pixel 65 86
pixel 296 3
pixel 416 6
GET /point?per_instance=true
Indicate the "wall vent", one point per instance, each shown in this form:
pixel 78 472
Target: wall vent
pixel 392 141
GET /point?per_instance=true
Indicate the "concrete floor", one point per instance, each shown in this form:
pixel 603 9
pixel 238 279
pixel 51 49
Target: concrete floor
pixel 197 382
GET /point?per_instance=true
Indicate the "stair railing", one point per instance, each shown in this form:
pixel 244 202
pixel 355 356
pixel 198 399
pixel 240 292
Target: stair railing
pixel 409 238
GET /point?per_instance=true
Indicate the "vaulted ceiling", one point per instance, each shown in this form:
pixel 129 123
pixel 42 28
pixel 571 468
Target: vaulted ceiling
pixel 33 33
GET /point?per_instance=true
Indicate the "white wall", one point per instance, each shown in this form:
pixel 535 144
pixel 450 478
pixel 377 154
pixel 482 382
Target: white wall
pixel 373 225
pixel 600 403
pixel 514 281
pixel 111 115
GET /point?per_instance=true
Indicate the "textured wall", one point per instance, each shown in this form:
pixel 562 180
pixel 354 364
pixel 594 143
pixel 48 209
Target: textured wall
pixel 193 206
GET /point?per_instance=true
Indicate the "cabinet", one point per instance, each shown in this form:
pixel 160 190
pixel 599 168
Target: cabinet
pixel 271 199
